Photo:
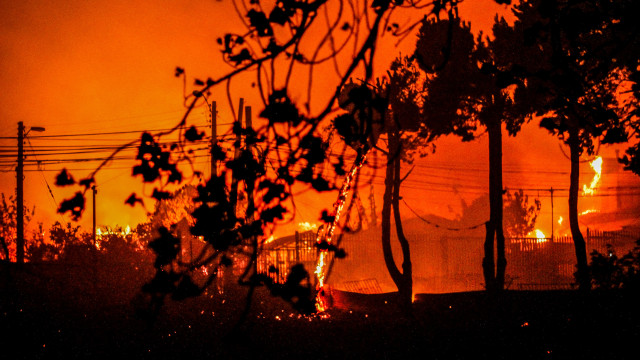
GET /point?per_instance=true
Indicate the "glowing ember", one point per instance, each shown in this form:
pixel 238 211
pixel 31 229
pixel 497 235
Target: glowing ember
pixel 596 165
pixel 588 211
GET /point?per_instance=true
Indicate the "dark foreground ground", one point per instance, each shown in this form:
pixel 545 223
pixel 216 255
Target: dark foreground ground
pixel 47 313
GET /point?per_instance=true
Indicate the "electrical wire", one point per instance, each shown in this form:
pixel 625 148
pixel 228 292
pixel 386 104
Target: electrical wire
pixel 55 202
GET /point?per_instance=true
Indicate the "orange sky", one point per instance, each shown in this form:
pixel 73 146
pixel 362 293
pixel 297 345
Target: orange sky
pixel 78 67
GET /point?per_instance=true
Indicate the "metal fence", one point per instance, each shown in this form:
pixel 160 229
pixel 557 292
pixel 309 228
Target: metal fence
pixel 549 263
pixel 443 262
pixel 276 259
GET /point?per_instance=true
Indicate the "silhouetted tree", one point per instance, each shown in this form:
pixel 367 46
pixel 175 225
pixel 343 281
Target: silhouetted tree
pixel 405 132
pixel 62 239
pixel 565 53
pixel 8 226
pixel 390 108
pixel 520 216
pixel 464 87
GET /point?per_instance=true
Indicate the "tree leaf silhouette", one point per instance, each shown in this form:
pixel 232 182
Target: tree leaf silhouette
pixel 274 191
pixel 280 15
pixel 186 288
pixel 74 205
pixel 339 166
pixel 259 22
pixel 320 184
pixel 218 153
pixel 161 195
pixel 162 283
pixel 64 178
pixel 133 199
pixel 280 109
pixel 275 212
pixel 87 182
pixel 326 217
pixel 166 247
pixel 242 56
pixel 193 135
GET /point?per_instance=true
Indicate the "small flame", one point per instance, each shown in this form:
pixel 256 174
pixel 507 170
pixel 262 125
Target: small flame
pixel 540 236
pixel 560 219
pixel 307 226
pixel 596 165
pixel 270 239
pixel 588 211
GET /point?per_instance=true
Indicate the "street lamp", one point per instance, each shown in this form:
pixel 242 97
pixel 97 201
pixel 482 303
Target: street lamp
pixel 20 190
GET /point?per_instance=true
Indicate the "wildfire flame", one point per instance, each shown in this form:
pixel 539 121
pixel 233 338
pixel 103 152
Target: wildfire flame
pixel 109 231
pixel 596 165
pixel 540 236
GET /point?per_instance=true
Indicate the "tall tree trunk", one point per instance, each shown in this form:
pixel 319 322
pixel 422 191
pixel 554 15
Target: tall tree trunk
pixel 494 272
pixel 403 280
pixel 386 222
pixel 582 273
pixel 488 263
pixel 405 288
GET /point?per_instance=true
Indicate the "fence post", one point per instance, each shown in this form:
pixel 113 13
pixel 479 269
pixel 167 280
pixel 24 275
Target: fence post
pixel 297 247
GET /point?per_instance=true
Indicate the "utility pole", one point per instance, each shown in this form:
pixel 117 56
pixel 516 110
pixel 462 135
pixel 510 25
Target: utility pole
pixel 20 191
pixel 20 196
pixel 552 218
pixel 94 191
pixel 250 184
pixel 233 194
pixel 214 138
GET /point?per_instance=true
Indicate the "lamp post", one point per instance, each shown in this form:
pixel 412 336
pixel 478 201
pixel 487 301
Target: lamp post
pixel 20 191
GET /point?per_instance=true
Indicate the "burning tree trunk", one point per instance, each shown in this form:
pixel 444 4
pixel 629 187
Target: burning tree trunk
pixel 582 273
pixel 494 274
pixel 402 279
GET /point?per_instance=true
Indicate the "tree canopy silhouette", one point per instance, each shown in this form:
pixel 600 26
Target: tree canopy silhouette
pixel 467 90
pixel 563 58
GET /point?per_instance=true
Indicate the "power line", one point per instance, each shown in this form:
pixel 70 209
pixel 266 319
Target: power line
pixel 59 136
pixel 441 226
pixel 55 203
pixel 103 133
